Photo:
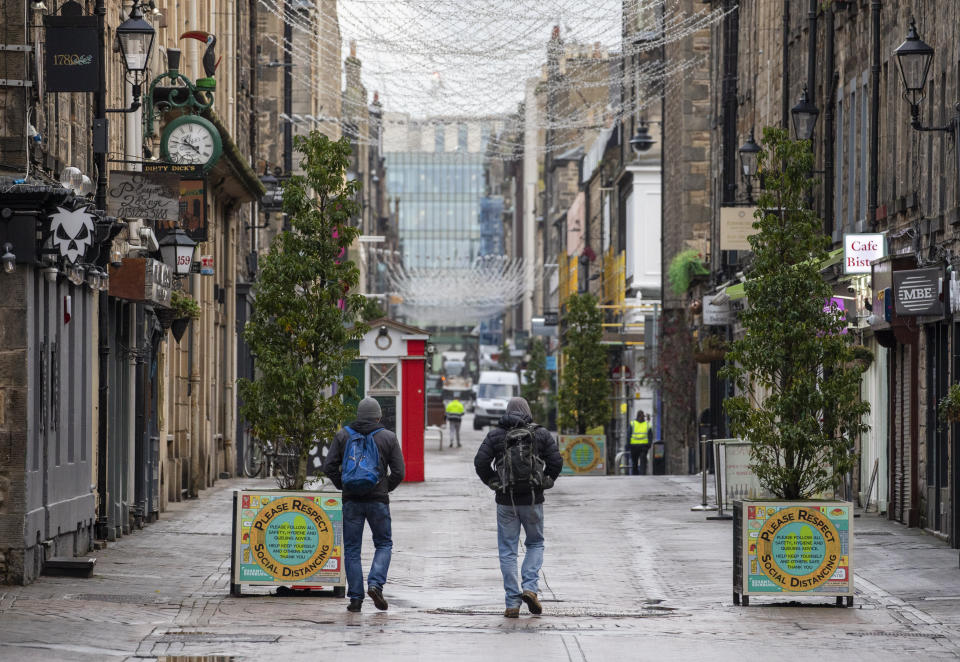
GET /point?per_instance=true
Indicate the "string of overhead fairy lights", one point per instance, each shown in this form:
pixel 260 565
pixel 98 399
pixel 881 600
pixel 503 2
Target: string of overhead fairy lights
pixel 465 58
pixel 443 295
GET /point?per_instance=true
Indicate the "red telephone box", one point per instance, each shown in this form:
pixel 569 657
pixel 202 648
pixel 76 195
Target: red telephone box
pixel 394 373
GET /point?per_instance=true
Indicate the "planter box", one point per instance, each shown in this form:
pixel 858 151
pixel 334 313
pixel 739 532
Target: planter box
pixel 792 548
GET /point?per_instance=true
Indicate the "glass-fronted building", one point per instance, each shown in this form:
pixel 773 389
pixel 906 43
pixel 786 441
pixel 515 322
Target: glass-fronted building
pixel 439 198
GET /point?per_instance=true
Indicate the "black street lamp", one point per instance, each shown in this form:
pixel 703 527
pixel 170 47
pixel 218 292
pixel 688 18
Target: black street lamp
pixel 136 41
pixel 804 116
pixel 642 142
pixel 914 57
pixel 177 251
pixel 748 157
pixel 749 152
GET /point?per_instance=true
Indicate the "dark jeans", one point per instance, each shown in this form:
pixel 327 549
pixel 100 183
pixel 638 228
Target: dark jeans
pixel 377 515
pixel 638 452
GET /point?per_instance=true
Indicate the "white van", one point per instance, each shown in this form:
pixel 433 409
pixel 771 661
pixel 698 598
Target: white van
pixel 493 390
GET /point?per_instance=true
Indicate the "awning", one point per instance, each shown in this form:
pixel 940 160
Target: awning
pixel 735 291
pixel 833 257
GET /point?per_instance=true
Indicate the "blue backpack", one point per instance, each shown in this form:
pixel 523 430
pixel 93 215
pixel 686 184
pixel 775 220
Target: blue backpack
pixel 361 462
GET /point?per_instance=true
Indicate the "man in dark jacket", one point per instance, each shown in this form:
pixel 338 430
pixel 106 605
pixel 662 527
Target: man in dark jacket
pixel 372 507
pixel 522 506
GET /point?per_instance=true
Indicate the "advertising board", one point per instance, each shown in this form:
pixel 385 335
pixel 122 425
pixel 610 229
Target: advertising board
pixel 798 547
pixel 285 538
pixel 583 454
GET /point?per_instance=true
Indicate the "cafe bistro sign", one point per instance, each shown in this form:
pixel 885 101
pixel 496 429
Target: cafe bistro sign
pixel 859 250
pixel 917 292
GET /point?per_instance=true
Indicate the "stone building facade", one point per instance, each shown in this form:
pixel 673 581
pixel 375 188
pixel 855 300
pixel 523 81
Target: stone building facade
pixel 911 197
pixel 687 120
pixel 113 418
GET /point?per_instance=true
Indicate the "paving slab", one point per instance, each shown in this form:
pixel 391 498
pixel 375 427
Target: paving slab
pixel 630 573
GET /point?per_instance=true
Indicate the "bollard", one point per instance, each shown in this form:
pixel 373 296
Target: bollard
pixel 703 473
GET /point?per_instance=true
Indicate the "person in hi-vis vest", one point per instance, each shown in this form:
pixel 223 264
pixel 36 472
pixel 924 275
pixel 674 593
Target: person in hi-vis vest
pixel 454 412
pixel 639 444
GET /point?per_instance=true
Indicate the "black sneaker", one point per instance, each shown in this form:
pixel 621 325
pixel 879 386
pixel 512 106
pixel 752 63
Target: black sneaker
pixel 355 605
pixel 377 595
pixel 533 604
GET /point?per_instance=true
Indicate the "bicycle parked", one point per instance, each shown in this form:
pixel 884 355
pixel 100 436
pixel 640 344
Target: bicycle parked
pixel 263 459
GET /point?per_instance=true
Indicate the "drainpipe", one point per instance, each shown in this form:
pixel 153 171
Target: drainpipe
pixel 731 31
pixel 874 115
pixel 785 101
pixel 812 54
pixel 288 88
pixel 829 94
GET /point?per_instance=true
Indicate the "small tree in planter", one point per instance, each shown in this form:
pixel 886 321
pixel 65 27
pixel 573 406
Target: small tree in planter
pixel 799 386
pixel 798 382
pixel 304 316
pixel 538 380
pixel 585 386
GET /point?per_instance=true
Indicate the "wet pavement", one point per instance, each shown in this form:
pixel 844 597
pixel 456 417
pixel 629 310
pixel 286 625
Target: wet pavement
pixel 629 573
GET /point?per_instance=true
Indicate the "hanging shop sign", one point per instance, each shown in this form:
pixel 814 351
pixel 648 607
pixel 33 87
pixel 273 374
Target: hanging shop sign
pixel 284 538
pixel 583 454
pixel 716 313
pixel 71 233
pixel 917 292
pixel 192 217
pixel 71 54
pixel 860 250
pixel 141 279
pixel 152 196
pixel 736 225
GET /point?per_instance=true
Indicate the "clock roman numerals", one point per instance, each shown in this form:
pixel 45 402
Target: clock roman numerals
pixel 193 142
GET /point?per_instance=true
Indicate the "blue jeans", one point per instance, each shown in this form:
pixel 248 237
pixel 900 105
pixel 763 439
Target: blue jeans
pixel 377 515
pixel 509 520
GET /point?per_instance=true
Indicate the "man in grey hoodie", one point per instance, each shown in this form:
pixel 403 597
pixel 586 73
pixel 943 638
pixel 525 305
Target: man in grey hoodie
pixel 372 507
pixel 519 507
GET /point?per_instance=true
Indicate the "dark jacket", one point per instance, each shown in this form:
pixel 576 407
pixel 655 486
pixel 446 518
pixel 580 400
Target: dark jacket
pixel 493 446
pixel 390 458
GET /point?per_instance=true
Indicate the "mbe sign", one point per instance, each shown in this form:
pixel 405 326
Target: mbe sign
pixel 859 250
pixel 917 292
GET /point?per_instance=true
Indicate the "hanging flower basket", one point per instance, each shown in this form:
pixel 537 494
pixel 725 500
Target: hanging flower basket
pixel 685 269
pixel 949 405
pixel 711 348
pixel 179 327
pixel 184 305
pixel 165 316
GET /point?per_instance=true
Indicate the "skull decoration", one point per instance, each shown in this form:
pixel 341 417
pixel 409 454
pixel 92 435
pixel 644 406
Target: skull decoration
pixel 72 232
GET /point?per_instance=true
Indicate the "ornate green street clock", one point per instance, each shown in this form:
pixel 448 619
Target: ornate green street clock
pixel 191 140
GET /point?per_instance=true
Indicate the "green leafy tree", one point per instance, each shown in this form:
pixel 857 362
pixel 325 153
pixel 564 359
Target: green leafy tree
pixel 504 359
pixel 538 380
pixel 371 310
pixel 584 387
pixel 797 381
pixel 304 316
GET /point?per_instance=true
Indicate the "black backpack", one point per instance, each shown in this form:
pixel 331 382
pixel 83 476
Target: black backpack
pixel 520 466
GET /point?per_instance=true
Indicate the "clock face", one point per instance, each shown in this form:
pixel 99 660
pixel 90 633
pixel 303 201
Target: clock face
pixel 190 142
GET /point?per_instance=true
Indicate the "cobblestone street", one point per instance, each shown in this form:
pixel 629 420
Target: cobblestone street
pixel 630 573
